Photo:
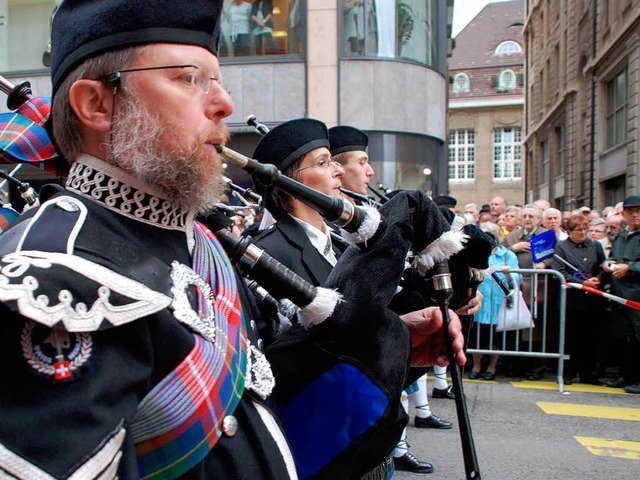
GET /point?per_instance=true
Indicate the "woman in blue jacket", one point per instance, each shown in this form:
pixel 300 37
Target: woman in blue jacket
pixel 483 334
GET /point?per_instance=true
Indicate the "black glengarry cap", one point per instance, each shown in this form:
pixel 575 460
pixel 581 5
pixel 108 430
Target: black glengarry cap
pixel 285 144
pixel 345 138
pixel 83 29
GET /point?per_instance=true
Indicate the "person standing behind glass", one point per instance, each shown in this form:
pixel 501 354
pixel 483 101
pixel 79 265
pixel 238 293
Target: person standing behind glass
pixel 239 13
pixel 354 26
pixel 296 26
pixel 262 26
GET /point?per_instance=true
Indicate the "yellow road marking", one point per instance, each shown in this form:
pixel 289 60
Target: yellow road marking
pixel 592 411
pixel 576 387
pixel 605 447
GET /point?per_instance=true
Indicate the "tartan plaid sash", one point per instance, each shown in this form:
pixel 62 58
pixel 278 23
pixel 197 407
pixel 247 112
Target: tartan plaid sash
pixel 180 420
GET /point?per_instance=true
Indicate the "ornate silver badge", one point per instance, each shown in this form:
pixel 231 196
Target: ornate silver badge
pixel 55 353
pixel 182 277
pixel 259 375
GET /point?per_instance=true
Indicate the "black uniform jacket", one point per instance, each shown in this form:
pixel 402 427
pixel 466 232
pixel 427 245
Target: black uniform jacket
pixel 88 333
pixel 287 242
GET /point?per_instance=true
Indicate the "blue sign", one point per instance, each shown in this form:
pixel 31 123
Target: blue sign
pixel 543 245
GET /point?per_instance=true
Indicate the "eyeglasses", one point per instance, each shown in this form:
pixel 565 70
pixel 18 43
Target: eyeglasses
pixel 323 163
pixel 196 78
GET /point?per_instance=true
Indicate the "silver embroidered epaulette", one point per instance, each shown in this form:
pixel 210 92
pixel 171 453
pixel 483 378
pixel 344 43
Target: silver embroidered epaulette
pixel 42 279
pixel 52 288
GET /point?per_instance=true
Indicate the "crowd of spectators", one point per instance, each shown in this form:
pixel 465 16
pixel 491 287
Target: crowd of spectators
pixel 601 337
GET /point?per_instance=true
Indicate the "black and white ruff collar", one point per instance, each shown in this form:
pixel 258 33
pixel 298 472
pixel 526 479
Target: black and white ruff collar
pixel 120 192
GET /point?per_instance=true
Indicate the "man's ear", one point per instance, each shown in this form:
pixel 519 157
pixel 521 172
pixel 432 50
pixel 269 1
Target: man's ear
pixel 92 102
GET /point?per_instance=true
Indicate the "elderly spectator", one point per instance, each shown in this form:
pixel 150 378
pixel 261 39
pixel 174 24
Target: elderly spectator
pixel 624 266
pixel 612 227
pixel 552 220
pixel 542 204
pixel 511 219
pixel 597 229
pixel 472 210
pixel 518 242
pixel 497 207
pixel 584 313
pixel 618 208
pixel 615 223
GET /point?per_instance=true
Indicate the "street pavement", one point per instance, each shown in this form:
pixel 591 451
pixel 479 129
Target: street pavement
pixel 529 430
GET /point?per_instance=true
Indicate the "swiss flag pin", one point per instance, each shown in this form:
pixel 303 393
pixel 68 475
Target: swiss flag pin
pixel 61 370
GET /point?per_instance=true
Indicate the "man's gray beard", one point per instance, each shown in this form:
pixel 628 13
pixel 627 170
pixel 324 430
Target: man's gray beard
pixel 187 175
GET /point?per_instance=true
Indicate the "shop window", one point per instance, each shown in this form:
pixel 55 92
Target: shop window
pixel 263 27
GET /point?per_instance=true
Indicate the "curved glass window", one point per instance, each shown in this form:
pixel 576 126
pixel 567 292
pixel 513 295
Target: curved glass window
pixel 405 29
pixel 461 83
pixel 508 47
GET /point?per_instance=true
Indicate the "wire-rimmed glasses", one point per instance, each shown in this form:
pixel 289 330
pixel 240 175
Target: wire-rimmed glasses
pixel 196 78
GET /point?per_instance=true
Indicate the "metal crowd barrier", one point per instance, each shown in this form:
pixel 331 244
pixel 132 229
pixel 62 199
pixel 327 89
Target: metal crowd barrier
pixel 547 302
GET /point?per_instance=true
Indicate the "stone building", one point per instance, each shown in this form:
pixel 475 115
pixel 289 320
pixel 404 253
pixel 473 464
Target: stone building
pixel 486 99
pixel 583 94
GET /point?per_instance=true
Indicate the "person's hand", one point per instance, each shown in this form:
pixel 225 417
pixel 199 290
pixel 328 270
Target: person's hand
pixel 428 345
pixel 540 265
pixel 521 247
pixel 473 305
pixel 621 271
pixel 593 282
pixel 505 268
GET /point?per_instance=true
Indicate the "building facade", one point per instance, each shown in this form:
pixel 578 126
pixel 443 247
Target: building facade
pixel 583 95
pixel 486 105
pixel 377 65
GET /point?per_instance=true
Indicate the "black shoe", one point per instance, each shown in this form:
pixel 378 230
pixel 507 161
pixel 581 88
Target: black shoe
pixel 633 389
pixel 613 382
pixel 443 392
pixel 474 375
pixel 409 463
pixel 433 421
pixel 590 380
